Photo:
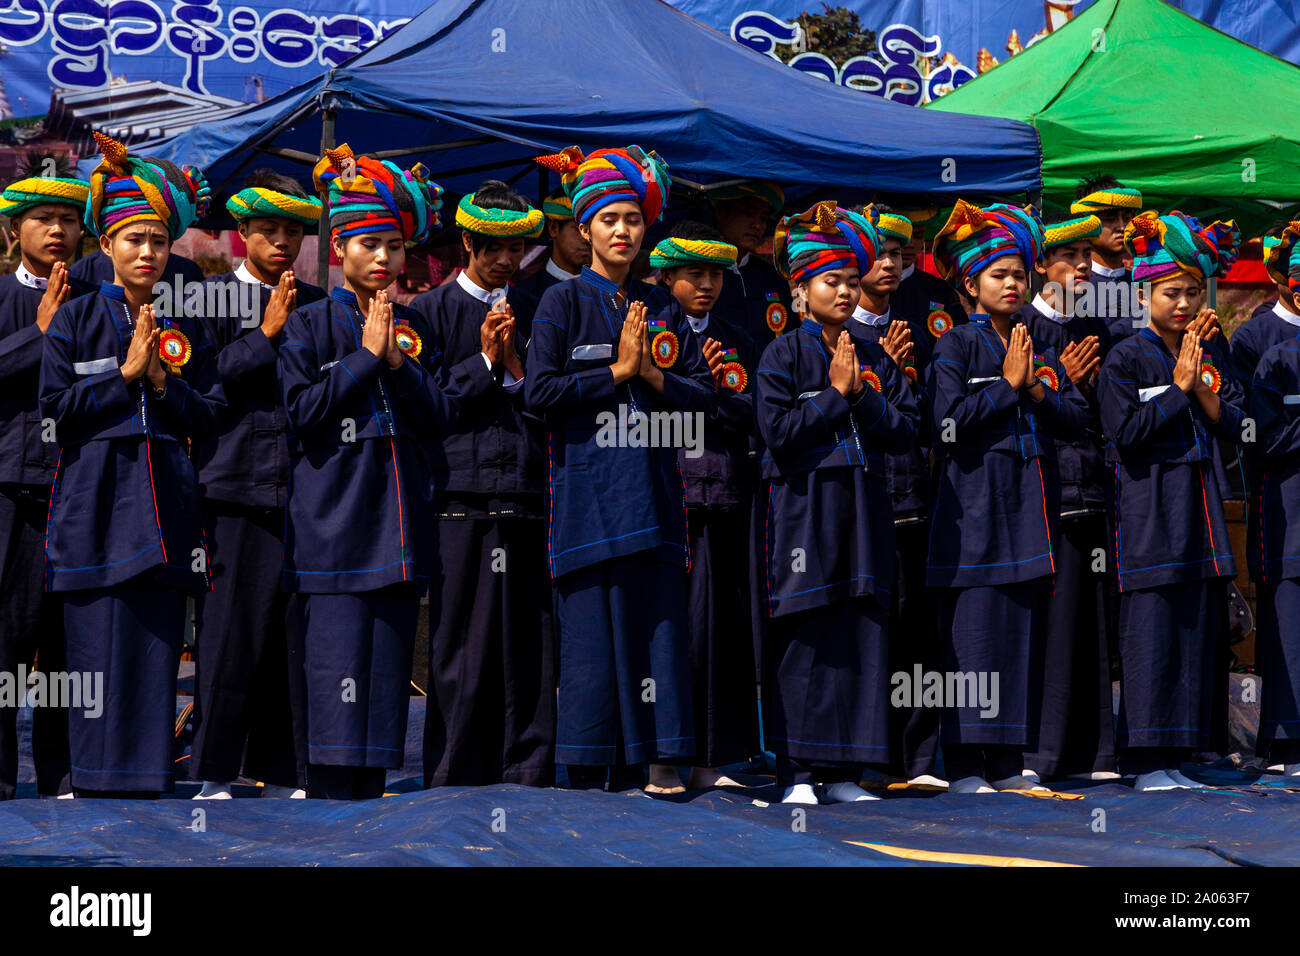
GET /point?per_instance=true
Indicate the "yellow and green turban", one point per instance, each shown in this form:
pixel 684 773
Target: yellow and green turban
pixel 1071 230
pixel 1118 197
pixel 890 224
pixel 499 223
pixel 35 191
pixel 258 202
pixel 672 253
pixel 126 189
pixel 763 189
pixel 558 209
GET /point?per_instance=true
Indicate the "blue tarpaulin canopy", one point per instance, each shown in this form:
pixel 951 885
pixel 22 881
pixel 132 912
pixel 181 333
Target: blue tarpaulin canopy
pixel 476 88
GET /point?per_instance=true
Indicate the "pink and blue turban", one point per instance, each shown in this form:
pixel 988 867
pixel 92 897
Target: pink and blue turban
pixel 823 238
pixel 611 175
pixel 126 189
pixel 371 195
pixel 974 238
pixel 1167 246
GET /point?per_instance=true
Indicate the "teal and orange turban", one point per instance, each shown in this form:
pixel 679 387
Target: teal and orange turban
pixel 974 238
pixel 1167 246
pixel 1117 197
pixel 823 238
pixel 611 175
pixel 499 223
pixel 371 195
pixel 1070 230
pixel 672 253
pixel 763 189
pixel 126 189
pixel 34 191
pixel 890 224
pixel 258 202
pixel 1282 257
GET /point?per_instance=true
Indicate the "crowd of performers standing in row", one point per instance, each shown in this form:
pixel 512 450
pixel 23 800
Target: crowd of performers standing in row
pixel 885 486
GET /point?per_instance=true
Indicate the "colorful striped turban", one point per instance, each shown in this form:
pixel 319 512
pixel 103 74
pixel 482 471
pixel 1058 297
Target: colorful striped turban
pixel 379 197
pixel 258 202
pixel 975 238
pixel 824 237
pixel 1167 246
pixel 1118 197
pixel 1280 253
pixel 126 189
pixel 39 190
pixel 890 224
pixel 611 175
pixel 1071 230
pixel 763 189
pixel 672 253
pixel 559 209
pixel 499 223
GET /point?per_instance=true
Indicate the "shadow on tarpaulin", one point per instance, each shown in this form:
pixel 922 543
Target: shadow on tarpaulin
pixel 1245 822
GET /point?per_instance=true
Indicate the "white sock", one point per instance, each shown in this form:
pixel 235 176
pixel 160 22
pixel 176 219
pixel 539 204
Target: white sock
pixel 1156 780
pixel 1019 782
pixel 1096 775
pixel 928 780
pixel 1178 777
pixel 847 792
pixel 213 790
pixel 970 785
pixel 1031 775
pixel 276 791
pixel 66 796
pixel 800 793
pixel 1290 770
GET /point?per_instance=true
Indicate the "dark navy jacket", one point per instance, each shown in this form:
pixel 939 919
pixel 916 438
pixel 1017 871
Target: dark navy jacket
pixel 723 476
pixel 1085 479
pixel 998 499
pixel 361 436
pixel 830 528
pixel 756 298
pixel 98 267
pixel 126 497
pixel 929 301
pixel 26 459
pixel 1112 301
pixel 525 296
pixel 1168 503
pixel 247 460
pixel 1254 337
pixel 1275 407
pixel 611 496
pixel 493 448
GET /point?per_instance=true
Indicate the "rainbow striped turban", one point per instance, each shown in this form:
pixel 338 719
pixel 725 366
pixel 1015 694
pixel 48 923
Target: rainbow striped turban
pixel 559 209
pixel 611 175
pixel 823 238
pixel 126 189
pixel 672 253
pixel 1071 230
pixel 1117 198
pixel 763 189
pixel 973 238
pixel 35 191
pixel 378 197
pixel 1167 246
pixel 1281 259
pixel 499 223
pixel 258 202
pixel 890 224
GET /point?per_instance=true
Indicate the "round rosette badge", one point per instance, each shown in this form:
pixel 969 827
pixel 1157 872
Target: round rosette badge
pixel 409 341
pixel 1045 373
pixel 174 349
pixel 663 344
pixel 734 376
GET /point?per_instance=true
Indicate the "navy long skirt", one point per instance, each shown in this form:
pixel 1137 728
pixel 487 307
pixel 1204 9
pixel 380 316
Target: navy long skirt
pixel 1277 651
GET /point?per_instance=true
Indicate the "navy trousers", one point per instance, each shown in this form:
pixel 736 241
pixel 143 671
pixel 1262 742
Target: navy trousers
pixel 913 640
pixel 1277 651
pixel 242 713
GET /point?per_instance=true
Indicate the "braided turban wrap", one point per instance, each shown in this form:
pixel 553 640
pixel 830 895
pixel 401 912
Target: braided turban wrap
pixel 499 223
pixel 823 238
pixel 1164 247
pixel 559 209
pixel 126 189
pixel 258 202
pixel 379 197
pixel 35 191
pixel 763 189
pixel 611 175
pixel 1118 197
pixel 1071 230
pixel 974 238
pixel 1282 257
pixel 672 253
pixel 890 224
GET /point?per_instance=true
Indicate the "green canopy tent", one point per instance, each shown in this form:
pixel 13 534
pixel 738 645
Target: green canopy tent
pixel 1196 119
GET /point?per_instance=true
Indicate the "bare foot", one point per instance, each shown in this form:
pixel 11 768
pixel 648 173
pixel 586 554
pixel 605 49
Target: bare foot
pixel 664 779
pixel 703 778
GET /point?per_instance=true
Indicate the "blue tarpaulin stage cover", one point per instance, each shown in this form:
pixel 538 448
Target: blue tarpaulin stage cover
pixel 1253 823
pixel 483 85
